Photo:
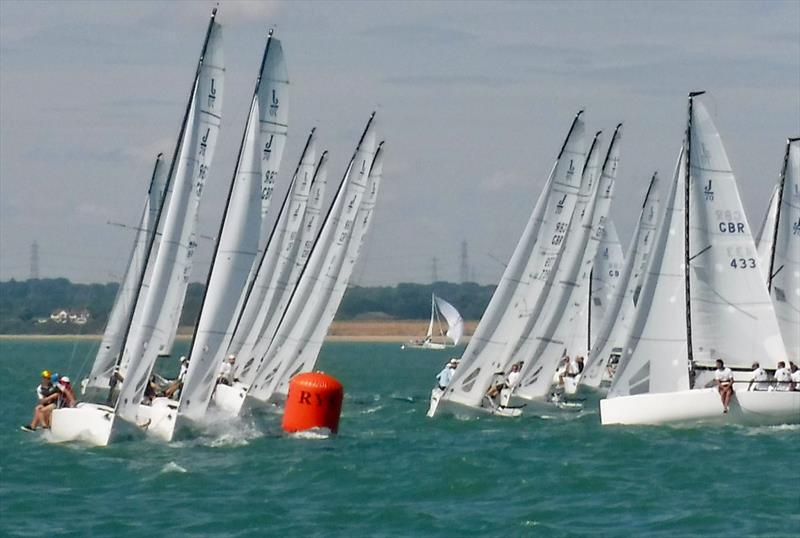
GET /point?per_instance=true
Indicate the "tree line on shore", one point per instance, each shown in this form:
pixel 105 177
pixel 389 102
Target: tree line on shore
pixel 26 305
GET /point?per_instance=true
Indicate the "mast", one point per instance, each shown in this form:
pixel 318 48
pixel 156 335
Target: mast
pixel 159 214
pixel 589 313
pixel 686 253
pixel 771 272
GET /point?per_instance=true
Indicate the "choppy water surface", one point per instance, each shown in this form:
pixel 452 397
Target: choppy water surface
pixel 391 471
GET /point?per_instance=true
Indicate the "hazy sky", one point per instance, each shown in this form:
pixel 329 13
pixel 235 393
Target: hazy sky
pixel 473 99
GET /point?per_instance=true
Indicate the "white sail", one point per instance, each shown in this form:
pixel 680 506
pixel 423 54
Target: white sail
pixel 230 266
pixel 766 232
pixel 263 297
pixel 608 266
pixel 315 284
pixel 429 333
pixel 455 323
pixel 122 311
pixel 258 300
pixel 174 259
pixel 615 326
pixel 307 349
pixel 517 298
pixel 654 355
pixel 273 100
pixel 549 339
pixel 731 312
pixel 784 263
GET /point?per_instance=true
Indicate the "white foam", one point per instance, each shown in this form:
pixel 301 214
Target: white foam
pixel 173 467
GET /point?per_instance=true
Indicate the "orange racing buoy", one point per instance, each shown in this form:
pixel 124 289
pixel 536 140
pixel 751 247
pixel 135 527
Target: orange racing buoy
pixel 314 401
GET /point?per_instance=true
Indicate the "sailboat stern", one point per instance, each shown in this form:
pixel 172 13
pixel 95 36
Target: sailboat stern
pixel 88 423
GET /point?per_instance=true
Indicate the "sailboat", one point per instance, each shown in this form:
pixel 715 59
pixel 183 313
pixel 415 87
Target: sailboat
pixel 781 255
pixel 613 329
pixel 551 339
pixel 294 346
pixel 455 326
pixel 704 271
pixel 232 260
pixel 153 318
pixel 520 293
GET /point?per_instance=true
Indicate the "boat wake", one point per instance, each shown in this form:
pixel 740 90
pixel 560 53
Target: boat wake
pixel 172 467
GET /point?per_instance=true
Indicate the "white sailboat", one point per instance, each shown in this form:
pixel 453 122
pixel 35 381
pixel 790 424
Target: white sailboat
pixel 455 326
pixel 304 322
pixel 613 329
pixel 704 272
pixel 552 338
pixel 520 292
pixel 782 255
pixel 275 277
pixel 153 316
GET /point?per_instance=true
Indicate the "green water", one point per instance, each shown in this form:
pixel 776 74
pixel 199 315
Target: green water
pixel 391 471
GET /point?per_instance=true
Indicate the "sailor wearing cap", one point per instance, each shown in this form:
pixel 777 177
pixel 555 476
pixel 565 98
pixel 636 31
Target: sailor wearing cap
pixel 446 374
pixel 226 371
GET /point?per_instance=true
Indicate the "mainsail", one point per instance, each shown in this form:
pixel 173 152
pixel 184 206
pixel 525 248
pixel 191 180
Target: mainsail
pixel 194 153
pixel 765 235
pixel 605 278
pixel 518 295
pixel 784 259
pixel 314 286
pixel 122 312
pixel 613 329
pixel 550 337
pixel 307 349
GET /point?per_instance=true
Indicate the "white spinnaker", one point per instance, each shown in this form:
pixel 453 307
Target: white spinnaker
pixel 731 312
pixel 614 328
pixel 785 263
pixel 654 355
pixel 174 259
pixel 313 287
pixel 307 349
pixel 608 265
pixel 273 100
pixel 455 323
pixel 766 232
pixel 264 293
pixel 543 346
pixel 517 298
pixel 122 311
pixel 230 266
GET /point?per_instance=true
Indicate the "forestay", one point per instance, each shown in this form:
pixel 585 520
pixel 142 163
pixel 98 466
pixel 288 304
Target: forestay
pixel 654 356
pixel 313 288
pixel 731 312
pixel 784 263
pixel 259 300
pixel 174 259
pixel 122 312
pixel 549 339
pixel 518 295
pixel 455 323
pixel 307 349
pixel 616 324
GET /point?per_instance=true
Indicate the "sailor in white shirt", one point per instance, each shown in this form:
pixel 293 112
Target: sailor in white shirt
pixel 782 377
pixel 226 371
pixel 795 376
pixel 446 374
pixel 759 378
pixel 723 378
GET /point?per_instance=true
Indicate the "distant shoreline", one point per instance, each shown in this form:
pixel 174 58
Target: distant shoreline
pixel 387 331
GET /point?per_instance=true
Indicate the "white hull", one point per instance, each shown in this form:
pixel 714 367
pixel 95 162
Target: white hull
pixel 426 345
pixel 460 410
pixel 702 405
pixel 436 396
pixel 159 418
pixel 230 398
pixel 571 384
pixel 87 423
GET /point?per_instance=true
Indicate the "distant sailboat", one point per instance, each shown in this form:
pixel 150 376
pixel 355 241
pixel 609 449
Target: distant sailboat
pixel 455 326
pixel 704 271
